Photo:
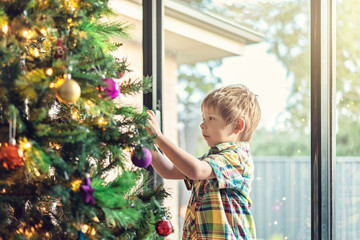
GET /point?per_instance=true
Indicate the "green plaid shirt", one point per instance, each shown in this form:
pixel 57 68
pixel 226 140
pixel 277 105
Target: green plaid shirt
pixel 219 208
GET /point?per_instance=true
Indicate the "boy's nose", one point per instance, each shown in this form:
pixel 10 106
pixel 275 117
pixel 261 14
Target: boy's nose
pixel 202 125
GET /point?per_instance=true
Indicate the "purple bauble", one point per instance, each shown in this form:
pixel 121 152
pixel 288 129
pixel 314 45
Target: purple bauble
pixel 110 89
pixel 142 161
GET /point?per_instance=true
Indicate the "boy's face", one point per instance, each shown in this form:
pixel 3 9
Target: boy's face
pixel 214 129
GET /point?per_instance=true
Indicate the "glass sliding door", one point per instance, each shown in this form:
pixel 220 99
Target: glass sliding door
pixel 277 68
pixel 348 120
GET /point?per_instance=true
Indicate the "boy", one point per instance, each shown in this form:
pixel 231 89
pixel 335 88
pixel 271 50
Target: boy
pixel 221 180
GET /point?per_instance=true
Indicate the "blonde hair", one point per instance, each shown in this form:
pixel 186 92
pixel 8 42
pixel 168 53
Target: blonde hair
pixel 234 102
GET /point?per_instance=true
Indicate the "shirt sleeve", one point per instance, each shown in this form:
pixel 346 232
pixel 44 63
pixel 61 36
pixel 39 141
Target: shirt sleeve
pixel 188 183
pixel 228 171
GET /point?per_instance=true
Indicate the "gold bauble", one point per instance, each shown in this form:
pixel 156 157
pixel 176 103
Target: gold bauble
pixel 69 92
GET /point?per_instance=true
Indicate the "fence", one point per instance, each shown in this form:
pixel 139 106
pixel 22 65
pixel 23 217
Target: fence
pixel 281 195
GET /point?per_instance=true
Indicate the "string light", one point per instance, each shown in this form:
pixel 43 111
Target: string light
pixel 102 121
pixel 72 4
pixel 58 83
pixel 43 32
pixel 49 71
pixel 5 28
pixel 75 115
pixel 34 51
pixel 84 228
pixel 54 145
pixel 88 105
pixel 27 145
pixel 24 143
pixel 28 233
pixel 37 173
pixel 25 33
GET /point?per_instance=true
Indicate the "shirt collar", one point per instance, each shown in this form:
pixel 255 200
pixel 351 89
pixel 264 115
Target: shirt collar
pixel 222 146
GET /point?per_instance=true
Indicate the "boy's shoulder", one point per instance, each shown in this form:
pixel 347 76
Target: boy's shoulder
pixel 230 146
pixel 230 150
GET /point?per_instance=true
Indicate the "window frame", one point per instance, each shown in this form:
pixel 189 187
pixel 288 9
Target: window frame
pixel 153 55
pixel 323 119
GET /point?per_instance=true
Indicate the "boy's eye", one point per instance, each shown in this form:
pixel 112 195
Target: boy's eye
pixel 211 118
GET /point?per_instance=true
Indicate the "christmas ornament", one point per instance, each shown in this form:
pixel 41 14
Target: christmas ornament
pixel 81 236
pixel 75 185
pixel 60 49
pixel 34 50
pixel 69 92
pixel 110 89
pixel 121 74
pixel 87 191
pixel 40 45
pixel 164 227
pixel 11 156
pixel 142 159
pixel 23 64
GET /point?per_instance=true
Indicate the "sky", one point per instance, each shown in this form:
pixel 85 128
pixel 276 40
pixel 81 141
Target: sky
pixel 263 75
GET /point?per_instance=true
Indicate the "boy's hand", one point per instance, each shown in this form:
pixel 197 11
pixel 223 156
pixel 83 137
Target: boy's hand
pixel 154 127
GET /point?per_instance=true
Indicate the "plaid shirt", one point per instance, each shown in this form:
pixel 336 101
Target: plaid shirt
pixel 219 208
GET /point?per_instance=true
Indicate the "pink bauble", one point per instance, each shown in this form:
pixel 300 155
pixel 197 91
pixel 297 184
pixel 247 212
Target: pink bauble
pixel 144 160
pixel 110 89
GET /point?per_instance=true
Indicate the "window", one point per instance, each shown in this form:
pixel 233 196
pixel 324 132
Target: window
pixel 293 193
pixel 348 107
pixel 276 68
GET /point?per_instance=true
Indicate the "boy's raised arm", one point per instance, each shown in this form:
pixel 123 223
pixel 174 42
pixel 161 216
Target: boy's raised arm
pixel 187 164
pixel 164 167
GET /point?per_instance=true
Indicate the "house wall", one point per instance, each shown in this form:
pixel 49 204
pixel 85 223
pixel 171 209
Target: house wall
pixel 170 120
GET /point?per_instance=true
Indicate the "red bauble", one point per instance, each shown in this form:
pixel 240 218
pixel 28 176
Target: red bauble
pixel 121 74
pixel 11 156
pixel 60 49
pixel 164 227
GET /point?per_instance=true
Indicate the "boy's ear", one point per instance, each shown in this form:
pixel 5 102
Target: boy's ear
pixel 239 125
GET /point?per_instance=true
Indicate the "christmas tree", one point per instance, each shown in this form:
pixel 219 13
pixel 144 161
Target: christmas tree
pixel 66 144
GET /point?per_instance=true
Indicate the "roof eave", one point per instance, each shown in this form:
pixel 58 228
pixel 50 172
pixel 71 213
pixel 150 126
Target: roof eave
pixel 211 23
